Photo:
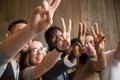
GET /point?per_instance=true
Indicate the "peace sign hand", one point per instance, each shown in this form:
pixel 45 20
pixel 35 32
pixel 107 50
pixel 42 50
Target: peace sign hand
pixel 42 16
pixel 98 37
pixel 63 41
pixel 82 33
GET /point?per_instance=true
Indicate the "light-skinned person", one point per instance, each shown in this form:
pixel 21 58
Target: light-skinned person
pixel 32 61
pixel 91 54
pixel 40 20
pixel 112 71
pixel 59 71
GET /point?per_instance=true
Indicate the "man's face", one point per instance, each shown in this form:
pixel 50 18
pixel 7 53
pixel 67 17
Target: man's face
pixel 89 40
pixel 19 27
pixel 52 38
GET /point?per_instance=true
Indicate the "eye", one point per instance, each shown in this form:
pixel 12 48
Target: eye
pixel 41 48
pixel 34 51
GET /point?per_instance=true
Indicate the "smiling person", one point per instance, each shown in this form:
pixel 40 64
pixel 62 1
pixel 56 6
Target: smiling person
pixel 112 71
pixel 91 54
pixel 34 62
pixel 40 20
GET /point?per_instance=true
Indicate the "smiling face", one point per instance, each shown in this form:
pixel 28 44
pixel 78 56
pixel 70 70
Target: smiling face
pixel 89 40
pixel 52 38
pixel 36 53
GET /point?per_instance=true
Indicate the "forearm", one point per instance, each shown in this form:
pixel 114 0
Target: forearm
pixel 58 69
pixel 13 44
pixel 101 60
pixel 48 61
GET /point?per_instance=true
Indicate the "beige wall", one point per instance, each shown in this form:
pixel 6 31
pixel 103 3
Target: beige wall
pixel 105 12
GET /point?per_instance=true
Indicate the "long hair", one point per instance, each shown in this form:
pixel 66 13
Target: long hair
pixel 24 60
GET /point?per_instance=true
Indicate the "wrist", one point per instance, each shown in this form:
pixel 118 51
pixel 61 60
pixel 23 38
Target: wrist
pixel 59 50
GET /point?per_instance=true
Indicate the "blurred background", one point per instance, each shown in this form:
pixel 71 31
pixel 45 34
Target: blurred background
pixel 105 12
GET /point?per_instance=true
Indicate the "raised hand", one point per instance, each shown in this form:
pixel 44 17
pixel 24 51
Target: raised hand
pixel 63 41
pixel 81 37
pixel 82 33
pixel 42 16
pixel 98 37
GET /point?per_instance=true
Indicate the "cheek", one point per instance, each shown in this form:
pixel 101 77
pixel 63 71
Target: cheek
pixel 76 51
pixel 32 59
pixel 91 53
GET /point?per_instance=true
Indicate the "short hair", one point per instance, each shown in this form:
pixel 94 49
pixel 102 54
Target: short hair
pixel 48 31
pixel 12 25
pixel 88 32
pixel 74 40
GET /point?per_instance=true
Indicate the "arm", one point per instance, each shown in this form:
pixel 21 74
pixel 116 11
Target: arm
pixel 117 52
pixel 40 20
pixel 99 46
pixel 60 67
pixel 63 42
pixel 47 62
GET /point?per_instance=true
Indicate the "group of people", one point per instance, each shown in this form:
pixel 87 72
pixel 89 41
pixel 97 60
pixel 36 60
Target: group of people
pixel 83 58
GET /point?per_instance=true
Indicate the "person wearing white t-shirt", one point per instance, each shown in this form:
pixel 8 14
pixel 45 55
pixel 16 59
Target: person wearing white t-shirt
pixel 112 71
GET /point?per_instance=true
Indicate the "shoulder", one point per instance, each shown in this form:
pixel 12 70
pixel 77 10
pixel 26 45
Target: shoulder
pixel 2 69
pixel 27 73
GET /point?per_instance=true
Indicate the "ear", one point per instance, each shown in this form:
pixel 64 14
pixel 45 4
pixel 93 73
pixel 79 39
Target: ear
pixel 29 42
pixel 8 34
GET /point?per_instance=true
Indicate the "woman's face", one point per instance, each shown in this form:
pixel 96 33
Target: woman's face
pixel 36 53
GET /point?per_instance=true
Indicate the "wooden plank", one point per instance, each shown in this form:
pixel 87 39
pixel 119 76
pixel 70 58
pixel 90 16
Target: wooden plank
pixel 76 16
pixel 64 11
pixel 84 12
pixel 111 22
pixel 92 12
pixel 117 11
pixel 4 17
pixel 102 21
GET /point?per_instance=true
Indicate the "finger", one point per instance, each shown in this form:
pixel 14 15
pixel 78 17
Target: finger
pixel 102 37
pixel 69 27
pixel 49 2
pixel 45 5
pixel 93 32
pixel 55 5
pixel 80 30
pixel 60 38
pixel 84 29
pixel 96 28
pixel 63 25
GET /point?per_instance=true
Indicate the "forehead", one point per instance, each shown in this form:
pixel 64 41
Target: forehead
pixel 36 44
pixel 55 32
pixel 89 38
pixel 19 27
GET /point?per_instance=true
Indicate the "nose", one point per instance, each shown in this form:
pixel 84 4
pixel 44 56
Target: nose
pixel 39 52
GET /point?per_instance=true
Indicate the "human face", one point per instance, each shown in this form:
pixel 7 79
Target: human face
pixel 19 27
pixel 89 39
pixel 75 48
pixel 52 38
pixel 90 46
pixel 36 53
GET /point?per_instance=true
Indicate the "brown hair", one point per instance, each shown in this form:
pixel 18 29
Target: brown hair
pixel 24 60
